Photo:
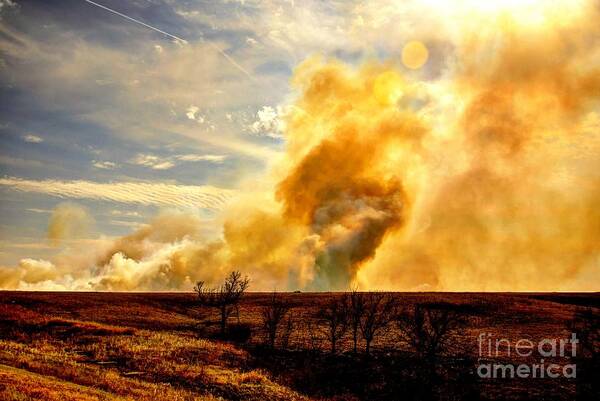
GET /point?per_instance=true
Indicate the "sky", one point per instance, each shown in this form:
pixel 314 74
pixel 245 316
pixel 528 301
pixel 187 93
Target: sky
pixel 92 100
pixel 112 133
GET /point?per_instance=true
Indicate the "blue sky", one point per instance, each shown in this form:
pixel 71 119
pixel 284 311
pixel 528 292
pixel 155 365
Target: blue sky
pixel 90 97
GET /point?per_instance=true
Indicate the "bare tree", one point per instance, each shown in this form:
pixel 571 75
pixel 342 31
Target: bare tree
pixel 312 338
pixel 379 311
pixel 273 314
pixel 225 298
pixel 289 326
pixel 356 305
pixel 427 328
pixel 334 315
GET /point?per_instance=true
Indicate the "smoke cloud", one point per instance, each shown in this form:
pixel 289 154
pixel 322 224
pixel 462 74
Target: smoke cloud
pixel 483 178
pixel 68 221
pixel 513 192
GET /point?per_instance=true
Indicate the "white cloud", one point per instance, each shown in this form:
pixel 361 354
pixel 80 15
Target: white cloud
pixel 268 122
pixel 124 213
pixel 143 193
pixel 33 138
pixel 192 113
pixel 7 4
pixel 36 210
pixel 163 163
pixel 104 165
pixel 198 158
pixel 152 161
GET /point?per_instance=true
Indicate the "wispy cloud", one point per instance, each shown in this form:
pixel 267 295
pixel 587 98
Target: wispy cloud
pixel 177 38
pixel 33 138
pixel 200 158
pixel 104 165
pixel 152 161
pixel 37 210
pixel 198 90
pixel 156 194
pixel 164 163
pixel 192 113
pixel 124 213
pixel 125 223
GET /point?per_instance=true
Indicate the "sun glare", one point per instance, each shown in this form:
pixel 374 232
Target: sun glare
pixel 524 12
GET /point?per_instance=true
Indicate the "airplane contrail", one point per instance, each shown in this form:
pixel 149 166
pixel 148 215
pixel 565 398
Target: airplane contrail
pixel 231 60
pixel 136 21
pixel 217 48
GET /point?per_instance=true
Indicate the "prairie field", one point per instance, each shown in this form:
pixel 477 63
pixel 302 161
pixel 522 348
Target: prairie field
pixel 164 346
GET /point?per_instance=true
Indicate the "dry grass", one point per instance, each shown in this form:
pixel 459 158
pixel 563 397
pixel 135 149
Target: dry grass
pixel 21 385
pixel 66 346
pixel 45 356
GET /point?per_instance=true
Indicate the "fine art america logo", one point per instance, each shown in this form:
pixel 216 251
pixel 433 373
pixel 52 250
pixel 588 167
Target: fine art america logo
pixel 547 358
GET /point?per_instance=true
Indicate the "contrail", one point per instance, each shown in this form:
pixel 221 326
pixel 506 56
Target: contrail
pixel 231 60
pixel 136 21
pixel 217 48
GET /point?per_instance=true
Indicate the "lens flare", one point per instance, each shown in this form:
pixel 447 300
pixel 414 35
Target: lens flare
pixel 414 55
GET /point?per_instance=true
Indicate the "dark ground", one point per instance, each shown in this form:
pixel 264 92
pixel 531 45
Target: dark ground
pixel 69 322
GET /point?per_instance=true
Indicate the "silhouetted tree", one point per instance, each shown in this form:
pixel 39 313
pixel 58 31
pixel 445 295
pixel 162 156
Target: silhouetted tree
pixel 312 336
pixel 427 328
pixel 379 311
pixel 288 328
pixel 225 298
pixel 333 314
pixel 356 309
pixel 273 314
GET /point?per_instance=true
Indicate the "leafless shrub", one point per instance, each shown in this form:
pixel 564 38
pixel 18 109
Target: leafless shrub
pixel 333 315
pixel 225 298
pixel 356 309
pixel 273 315
pixel 311 333
pixel 426 329
pixel 289 326
pixel 379 311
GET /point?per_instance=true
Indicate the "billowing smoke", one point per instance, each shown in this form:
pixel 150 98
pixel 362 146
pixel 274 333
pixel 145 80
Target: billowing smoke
pixel 512 182
pixel 485 177
pixel 339 184
pixel 68 221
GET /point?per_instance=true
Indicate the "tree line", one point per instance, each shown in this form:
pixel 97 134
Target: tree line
pixel 361 317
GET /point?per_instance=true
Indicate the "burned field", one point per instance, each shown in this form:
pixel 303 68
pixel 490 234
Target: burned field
pixel 166 346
